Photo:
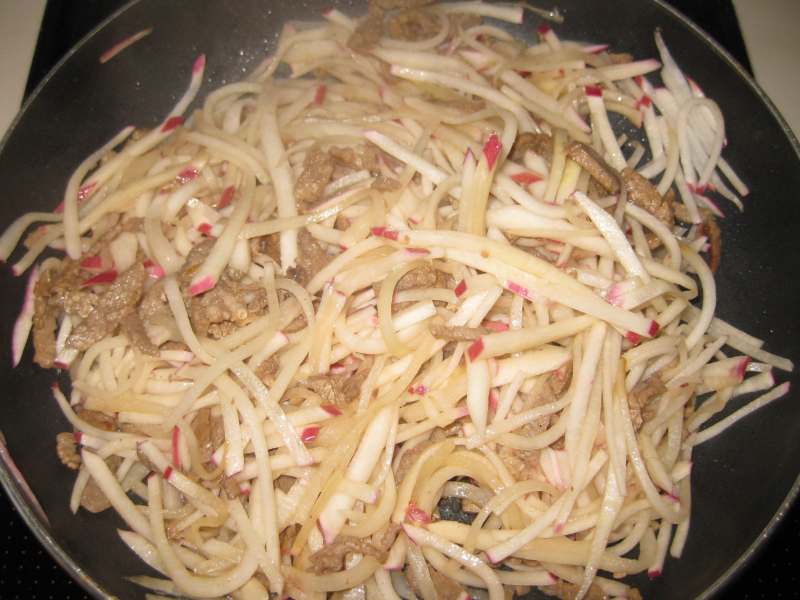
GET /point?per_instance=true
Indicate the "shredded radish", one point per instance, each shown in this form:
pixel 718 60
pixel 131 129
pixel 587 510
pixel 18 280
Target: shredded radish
pixel 326 310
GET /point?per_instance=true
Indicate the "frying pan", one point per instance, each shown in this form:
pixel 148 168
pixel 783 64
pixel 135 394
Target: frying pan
pixel 743 482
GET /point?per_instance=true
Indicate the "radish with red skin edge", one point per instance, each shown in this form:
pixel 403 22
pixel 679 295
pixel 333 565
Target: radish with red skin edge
pixel 331 519
pixel 124 44
pixel 103 278
pixel 24 322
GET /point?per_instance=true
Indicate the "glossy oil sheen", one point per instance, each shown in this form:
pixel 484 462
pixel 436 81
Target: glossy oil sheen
pixel 740 481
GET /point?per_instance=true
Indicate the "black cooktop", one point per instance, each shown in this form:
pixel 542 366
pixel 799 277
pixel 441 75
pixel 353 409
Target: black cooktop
pixel 28 572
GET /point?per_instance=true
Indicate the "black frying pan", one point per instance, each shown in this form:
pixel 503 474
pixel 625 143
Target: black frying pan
pixel 742 483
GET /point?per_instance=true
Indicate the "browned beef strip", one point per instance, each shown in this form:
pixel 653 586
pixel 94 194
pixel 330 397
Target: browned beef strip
pixel 318 168
pixel 457 334
pixel 311 259
pixel 357 158
pixel 413 25
pixel 367 33
pixel 133 327
pixel 540 143
pixel 209 432
pixel 67 451
pixel 409 458
pixel 564 590
pixel 98 419
pixel 644 194
pixel 331 558
pixel 591 161
pixel 117 302
pixel 446 588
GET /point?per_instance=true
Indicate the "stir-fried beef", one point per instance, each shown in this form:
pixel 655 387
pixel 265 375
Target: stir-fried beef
pixel 114 305
pixel 592 162
pixel 67 450
pixel 133 327
pixel 644 194
pixel 93 499
pixel 318 168
pixel 540 143
pixel 409 458
pixel 457 334
pixel 311 260
pixel 412 25
pixel 331 558
pixel 209 433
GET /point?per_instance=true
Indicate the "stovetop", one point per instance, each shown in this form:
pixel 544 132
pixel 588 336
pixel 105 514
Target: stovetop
pixel 28 572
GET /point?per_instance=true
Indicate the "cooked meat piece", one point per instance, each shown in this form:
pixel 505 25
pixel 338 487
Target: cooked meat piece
pixel 461 22
pixel 318 167
pixel 331 558
pixel 98 419
pixel 93 499
pixel 44 331
pixel 229 305
pixel 409 458
pixel 361 157
pixel 311 259
pixel 334 389
pixel 711 229
pixel 413 25
pixel 457 334
pixel 50 296
pixel 385 184
pixel 640 400
pixel 269 245
pixel 425 276
pixel 67 451
pixel 384 538
pixel 644 194
pixel 209 432
pixel 133 327
pixel 540 143
pixel 522 464
pixel 118 301
pixel 268 369
pixel 559 380
pixel 367 33
pixel 446 588
pixel 194 260
pixel 569 591
pixel 592 162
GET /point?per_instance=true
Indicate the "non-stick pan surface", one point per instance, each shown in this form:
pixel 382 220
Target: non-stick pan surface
pixel 742 482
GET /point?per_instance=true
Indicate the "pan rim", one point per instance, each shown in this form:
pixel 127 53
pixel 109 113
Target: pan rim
pixel 88 583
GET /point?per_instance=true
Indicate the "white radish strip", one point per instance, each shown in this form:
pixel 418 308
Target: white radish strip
pixel 709 296
pixel 510 14
pixel 683 140
pixel 470 561
pixel 612 503
pixel 143 549
pixel 512 544
pixel 219 585
pixel 162 250
pixel 611 231
pixel 407 156
pixel 503 183
pixel 582 389
pixel 282 181
pixel 468 87
pixel 594 98
pixel 731 419
pixel 672 148
pixel 692 366
pixel 255 544
pixel 662 231
pixel 478 385
pixel 234 453
pixel 208 274
pixel 536 362
pixel 204 499
pixel 72 239
pixel 671 73
pixel 24 322
pixel 333 517
pixel 110 487
pixel 13 233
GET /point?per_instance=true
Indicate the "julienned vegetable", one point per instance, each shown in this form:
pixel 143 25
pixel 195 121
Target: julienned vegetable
pixel 416 320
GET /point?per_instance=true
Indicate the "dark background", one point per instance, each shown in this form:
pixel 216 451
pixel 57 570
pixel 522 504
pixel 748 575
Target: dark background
pixel 27 571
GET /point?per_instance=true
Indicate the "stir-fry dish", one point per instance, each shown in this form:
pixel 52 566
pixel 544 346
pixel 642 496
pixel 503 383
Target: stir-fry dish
pixel 420 308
